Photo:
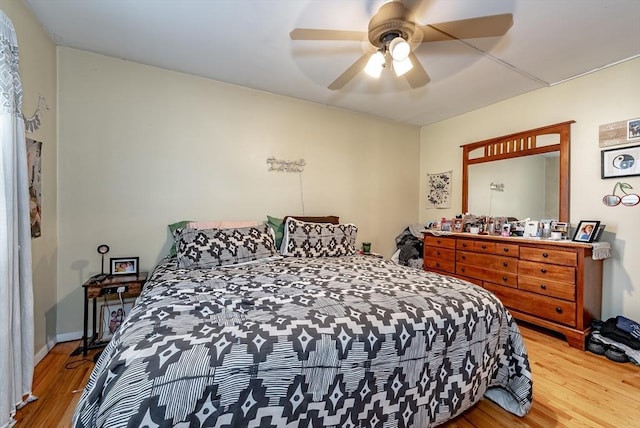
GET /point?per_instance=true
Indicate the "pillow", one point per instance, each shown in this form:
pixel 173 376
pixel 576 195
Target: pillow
pixel 175 229
pixel 277 225
pixel 206 248
pixel 305 239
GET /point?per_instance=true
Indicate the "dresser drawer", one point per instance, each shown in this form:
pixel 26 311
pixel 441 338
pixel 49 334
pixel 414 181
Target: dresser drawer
pixel 543 271
pixel 441 265
pixel 549 308
pixel 477 246
pixel 561 290
pixel 485 274
pixel 509 250
pixel 441 254
pixel 502 264
pixel 558 257
pixel 439 241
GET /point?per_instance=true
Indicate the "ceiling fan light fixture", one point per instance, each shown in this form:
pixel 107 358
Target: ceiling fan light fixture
pixel 375 65
pixel 402 67
pixel 399 49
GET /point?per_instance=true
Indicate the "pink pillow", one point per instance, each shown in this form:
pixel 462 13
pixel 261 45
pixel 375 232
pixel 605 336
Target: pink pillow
pixel 221 224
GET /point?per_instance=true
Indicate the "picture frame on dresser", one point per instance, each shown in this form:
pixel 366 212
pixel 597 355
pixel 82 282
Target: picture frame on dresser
pixel 586 231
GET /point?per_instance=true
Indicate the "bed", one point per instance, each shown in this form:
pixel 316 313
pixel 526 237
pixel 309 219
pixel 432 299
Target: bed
pixel 329 339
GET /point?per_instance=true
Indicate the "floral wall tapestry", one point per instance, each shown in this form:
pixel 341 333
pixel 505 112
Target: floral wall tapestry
pixel 34 151
pixel 439 190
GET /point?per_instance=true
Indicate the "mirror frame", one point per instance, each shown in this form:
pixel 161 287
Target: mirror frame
pixel 518 145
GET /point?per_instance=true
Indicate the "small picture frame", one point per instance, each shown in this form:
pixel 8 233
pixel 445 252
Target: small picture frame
pixel 586 231
pixel 621 162
pixel 633 129
pixel 458 225
pixel 123 265
pixel 598 234
pixel 111 316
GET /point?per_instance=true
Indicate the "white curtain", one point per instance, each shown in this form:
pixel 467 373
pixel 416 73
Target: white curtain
pixel 16 292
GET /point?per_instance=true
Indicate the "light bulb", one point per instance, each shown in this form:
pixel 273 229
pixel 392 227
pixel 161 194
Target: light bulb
pixel 375 65
pixel 401 67
pixel 399 49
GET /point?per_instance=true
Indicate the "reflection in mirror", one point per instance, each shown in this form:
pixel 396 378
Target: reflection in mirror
pixel 630 200
pixel 611 200
pixel 530 187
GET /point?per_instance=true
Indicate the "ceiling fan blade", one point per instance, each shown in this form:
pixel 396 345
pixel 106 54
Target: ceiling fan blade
pixel 350 72
pixel 417 76
pixel 317 34
pixel 485 26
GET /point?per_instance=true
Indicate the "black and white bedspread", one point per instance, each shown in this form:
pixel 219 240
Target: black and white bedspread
pixel 293 342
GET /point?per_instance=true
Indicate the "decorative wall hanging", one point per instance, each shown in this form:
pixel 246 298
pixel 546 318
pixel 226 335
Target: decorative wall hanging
pixel 628 200
pixel 34 154
pixel 439 190
pixel 285 166
pixel 624 162
pixel 621 132
pixel 32 123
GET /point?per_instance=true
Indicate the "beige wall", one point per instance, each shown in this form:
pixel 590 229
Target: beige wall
pixel 610 95
pixel 38 75
pixel 141 147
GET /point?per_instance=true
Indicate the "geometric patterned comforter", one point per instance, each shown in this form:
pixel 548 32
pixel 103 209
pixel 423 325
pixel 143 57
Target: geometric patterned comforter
pixel 306 342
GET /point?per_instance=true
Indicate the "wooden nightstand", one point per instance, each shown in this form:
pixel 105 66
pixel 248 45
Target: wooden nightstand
pixel 129 285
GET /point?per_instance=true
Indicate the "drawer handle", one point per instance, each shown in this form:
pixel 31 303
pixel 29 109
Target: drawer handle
pixel 504 278
pixel 464 257
pixel 506 250
pixel 438 241
pixel 559 310
pixel 483 246
pixel 464 245
pixel 544 287
pixel 462 269
pixel 543 270
pixel 545 255
pixel 505 264
pixel 437 264
pixel 438 252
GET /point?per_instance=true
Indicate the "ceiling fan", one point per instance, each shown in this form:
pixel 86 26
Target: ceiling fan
pixel 394 35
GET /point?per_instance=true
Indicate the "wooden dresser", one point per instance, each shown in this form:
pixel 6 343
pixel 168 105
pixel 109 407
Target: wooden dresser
pixel 553 284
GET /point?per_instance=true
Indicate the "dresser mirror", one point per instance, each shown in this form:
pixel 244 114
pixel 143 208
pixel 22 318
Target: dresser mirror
pixel 521 175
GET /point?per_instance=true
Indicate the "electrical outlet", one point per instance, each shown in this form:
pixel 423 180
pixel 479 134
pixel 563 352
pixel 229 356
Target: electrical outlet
pixel 122 289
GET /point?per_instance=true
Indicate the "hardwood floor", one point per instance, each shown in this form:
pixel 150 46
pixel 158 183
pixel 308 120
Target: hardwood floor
pixel 572 388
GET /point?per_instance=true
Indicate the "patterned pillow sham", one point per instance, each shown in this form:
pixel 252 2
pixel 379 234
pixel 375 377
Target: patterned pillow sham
pixel 175 229
pixel 205 248
pixel 305 239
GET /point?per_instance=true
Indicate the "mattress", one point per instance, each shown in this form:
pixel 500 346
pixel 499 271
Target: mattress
pixel 306 342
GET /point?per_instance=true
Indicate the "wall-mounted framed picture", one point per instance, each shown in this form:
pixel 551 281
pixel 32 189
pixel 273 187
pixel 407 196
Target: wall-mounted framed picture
pixel 586 231
pixel 633 129
pixel 621 162
pixel 123 265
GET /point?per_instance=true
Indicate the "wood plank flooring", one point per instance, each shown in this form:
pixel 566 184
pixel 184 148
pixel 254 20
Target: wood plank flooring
pixel 572 388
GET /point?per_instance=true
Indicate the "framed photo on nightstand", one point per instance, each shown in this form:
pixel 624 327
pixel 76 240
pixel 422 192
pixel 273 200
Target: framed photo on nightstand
pixel 123 266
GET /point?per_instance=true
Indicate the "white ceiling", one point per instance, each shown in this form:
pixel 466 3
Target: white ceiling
pixel 246 42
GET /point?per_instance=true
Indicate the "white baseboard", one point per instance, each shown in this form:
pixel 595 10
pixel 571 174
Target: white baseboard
pixel 66 337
